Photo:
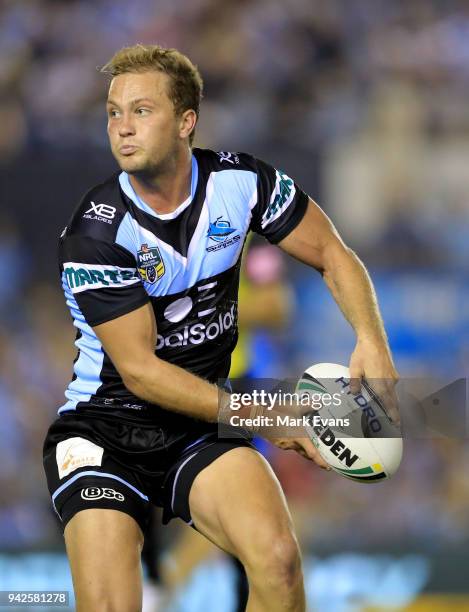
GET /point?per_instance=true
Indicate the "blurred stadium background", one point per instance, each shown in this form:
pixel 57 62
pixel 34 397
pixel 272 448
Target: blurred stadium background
pixel 365 104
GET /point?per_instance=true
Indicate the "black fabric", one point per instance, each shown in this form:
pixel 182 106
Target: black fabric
pixel 191 464
pixel 139 459
pixel 203 358
pixel 131 505
pixel 108 193
pixel 296 215
pixel 276 193
pixel 77 356
pixel 86 249
pixel 152 548
pixel 102 305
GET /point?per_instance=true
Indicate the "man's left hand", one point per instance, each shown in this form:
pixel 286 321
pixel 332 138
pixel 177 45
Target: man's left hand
pixel 372 361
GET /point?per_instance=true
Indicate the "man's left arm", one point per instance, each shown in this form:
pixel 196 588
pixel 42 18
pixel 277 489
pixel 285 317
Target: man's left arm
pixel 316 242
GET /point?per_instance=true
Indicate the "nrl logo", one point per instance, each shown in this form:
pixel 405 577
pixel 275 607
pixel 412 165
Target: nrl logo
pixel 150 263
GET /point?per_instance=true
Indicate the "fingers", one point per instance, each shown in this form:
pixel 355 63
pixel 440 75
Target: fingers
pixel 356 373
pixel 390 403
pixel 382 383
pixel 284 443
pixel 385 393
pixel 307 449
pixel 393 410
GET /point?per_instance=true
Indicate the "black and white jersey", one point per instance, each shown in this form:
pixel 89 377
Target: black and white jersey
pixel 117 254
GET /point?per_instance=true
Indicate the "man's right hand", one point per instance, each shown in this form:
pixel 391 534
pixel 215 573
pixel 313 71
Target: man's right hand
pixel 304 447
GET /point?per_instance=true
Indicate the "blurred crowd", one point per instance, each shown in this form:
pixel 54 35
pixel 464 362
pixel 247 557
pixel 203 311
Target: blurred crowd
pixel 265 63
pixel 376 88
pixel 368 97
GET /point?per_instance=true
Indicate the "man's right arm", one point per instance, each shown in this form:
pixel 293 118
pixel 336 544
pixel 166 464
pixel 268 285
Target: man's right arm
pixel 130 342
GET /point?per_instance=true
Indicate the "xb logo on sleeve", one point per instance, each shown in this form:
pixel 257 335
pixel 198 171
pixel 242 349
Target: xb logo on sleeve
pixel 150 263
pixel 101 493
pixel 100 212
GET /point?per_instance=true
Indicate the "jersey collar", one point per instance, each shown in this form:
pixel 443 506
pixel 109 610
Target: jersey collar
pixel 129 191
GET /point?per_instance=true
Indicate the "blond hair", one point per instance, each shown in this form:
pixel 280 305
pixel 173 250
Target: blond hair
pixel 186 85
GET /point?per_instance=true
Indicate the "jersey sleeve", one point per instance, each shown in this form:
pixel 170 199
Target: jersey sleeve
pixel 280 206
pixel 102 278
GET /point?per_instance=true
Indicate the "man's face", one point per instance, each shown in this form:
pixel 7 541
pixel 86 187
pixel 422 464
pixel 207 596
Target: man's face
pixel 142 126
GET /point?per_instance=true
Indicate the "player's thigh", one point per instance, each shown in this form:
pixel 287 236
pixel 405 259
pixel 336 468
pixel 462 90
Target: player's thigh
pixel 238 504
pixel 104 549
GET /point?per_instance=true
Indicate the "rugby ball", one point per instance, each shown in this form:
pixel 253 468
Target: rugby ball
pixel 353 433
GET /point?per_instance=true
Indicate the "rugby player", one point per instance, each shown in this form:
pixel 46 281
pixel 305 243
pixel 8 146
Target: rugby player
pixel 150 264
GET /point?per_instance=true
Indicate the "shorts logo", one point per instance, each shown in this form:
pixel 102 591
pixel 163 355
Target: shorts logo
pixel 150 263
pixel 220 232
pixel 100 212
pixel 75 453
pixel 101 493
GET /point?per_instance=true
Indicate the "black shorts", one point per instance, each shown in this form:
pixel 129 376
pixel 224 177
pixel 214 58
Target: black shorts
pixel 122 460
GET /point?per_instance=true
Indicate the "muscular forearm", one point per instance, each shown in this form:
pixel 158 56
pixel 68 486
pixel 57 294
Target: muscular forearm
pixel 171 387
pixel 352 289
pixel 175 389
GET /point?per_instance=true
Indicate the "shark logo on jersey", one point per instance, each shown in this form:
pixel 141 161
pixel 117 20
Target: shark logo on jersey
pixel 150 263
pixel 220 232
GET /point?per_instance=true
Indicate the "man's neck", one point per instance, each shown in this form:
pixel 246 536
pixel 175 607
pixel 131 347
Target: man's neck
pixel 169 189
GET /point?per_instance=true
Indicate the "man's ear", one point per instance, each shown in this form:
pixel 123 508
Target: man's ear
pixel 187 123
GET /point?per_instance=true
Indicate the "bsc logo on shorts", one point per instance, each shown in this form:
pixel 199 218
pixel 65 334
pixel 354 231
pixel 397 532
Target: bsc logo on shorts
pixel 101 493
